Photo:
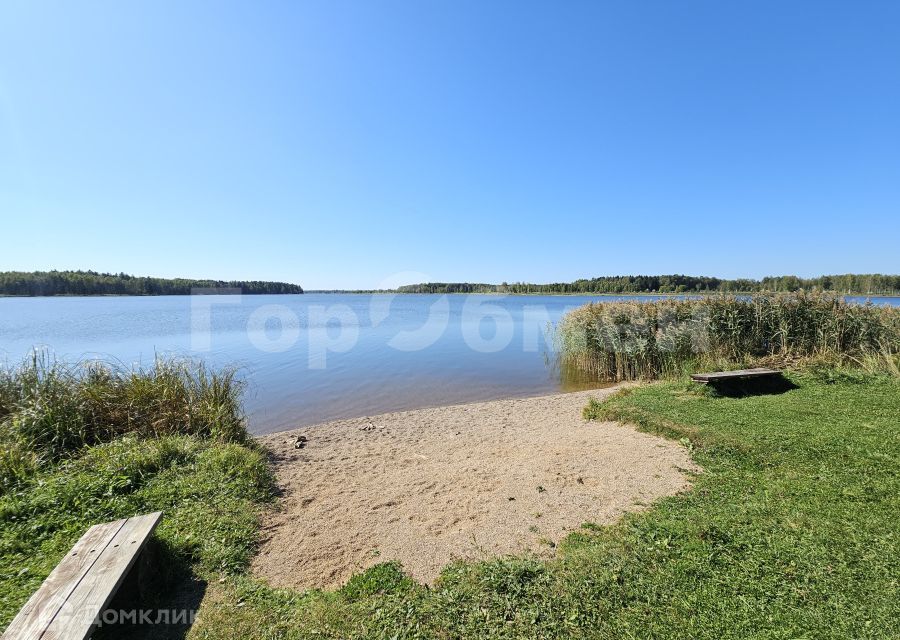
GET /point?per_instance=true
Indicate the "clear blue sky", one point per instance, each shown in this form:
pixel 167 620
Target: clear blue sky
pixel 336 143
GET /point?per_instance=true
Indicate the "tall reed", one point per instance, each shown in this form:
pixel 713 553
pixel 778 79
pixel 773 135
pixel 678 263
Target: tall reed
pixel 50 409
pixel 646 340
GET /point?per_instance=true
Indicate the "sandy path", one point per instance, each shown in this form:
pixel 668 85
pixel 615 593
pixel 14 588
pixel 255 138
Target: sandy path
pixel 467 481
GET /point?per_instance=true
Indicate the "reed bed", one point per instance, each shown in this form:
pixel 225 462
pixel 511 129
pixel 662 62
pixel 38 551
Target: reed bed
pixel 51 410
pixel 666 338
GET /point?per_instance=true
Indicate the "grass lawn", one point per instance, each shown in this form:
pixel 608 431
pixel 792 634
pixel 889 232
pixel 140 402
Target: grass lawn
pixel 209 492
pixel 792 531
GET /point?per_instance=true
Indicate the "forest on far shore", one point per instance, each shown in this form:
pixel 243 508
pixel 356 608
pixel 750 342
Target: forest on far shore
pixel 91 283
pixel 864 284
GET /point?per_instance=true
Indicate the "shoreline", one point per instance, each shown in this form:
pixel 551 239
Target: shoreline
pixel 598 387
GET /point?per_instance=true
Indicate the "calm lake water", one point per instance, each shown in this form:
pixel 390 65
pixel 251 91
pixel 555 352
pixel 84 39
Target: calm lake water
pixel 317 357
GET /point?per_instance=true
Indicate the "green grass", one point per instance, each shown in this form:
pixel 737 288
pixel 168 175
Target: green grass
pixel 208 491
pixel 790 532
pixel 51 410
pixel 84 444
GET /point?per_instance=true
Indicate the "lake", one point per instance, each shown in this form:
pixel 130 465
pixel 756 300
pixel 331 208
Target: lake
pixel 317 357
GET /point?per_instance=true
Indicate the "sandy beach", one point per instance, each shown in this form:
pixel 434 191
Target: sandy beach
pixel 469 481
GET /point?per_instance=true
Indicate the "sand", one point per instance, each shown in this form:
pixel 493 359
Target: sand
pixel 470 481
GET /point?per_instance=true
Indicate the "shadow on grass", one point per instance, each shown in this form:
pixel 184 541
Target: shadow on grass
pixel 772 385
pixel 160 586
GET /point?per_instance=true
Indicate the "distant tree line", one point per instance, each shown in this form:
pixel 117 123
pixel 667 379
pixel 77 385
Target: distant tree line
pixel 849 283
pixel 91 283
pixel 452 287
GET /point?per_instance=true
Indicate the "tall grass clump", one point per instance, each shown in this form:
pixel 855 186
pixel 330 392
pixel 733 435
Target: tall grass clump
pixel 664 338
pixel 92 442
pixel 51 410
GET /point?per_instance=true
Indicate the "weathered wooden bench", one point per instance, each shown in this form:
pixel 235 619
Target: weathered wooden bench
pixel 69 601
pixel 722 376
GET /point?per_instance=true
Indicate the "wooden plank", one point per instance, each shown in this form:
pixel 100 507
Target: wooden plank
pixel 731 375
pixel 76 617
pixel 46 602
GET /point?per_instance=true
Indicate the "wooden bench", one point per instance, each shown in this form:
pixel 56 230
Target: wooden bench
pixel 722 376
pixel 70 600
